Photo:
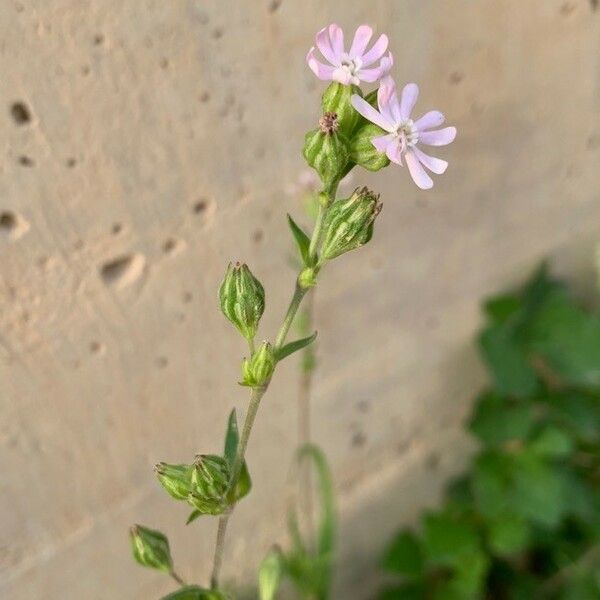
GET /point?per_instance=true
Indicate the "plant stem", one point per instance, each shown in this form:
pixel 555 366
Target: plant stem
pixel 258 393
pixel 255 396
pixel 176 577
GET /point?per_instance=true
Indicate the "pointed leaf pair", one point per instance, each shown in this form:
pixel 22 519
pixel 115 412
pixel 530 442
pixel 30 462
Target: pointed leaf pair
pixel 302 241
pixel 284 351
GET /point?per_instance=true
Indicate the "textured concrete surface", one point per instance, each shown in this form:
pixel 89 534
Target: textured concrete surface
pixel 143 144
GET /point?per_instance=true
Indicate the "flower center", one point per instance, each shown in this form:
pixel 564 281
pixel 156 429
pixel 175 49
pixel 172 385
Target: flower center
pixel 408 134
pixel 352 65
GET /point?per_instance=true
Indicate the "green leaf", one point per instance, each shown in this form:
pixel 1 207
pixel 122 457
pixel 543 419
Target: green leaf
pixel 500 308
pixel 568 339
pixel 508 364
pixel 551 442
pixel 498 420
pixel 404 555
pixel 269 574
pixel 193 516
pixel 194 592
pixel 302 241
pixel 244 483
pixel 407 591
pixel 284 351
pixel 577 412
pixel 447 539
pixel 469 577
pixel 232 438
pixel 508 534
pixel 492 475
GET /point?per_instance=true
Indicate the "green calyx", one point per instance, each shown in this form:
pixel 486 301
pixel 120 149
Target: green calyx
pixel 176 479
pixel 337 99
pixel 349 223
pixel 257 371
pixel 326 151
pixel 362 151
pixel 210 481
pixel 242 299
pixel 151 548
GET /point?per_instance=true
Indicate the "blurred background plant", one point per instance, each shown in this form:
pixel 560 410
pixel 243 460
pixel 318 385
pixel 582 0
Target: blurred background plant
pixel 524 521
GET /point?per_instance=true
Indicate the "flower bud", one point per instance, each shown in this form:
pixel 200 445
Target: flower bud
pixel 336 99
pixel 151 548
pixel 176 479
pixel 326 150
pixel 257 371
pixel 242 299
pixel 308 277
pixel 209 484
pixel 349 223
pixel 362 151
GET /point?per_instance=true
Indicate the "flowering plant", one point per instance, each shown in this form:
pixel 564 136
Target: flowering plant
pixel 355 129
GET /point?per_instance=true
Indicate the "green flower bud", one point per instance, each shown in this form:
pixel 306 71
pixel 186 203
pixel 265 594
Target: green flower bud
pixel 308 277
pixel 176 479
pixel 349 223
pixel 362 151
pixel 210 480
pixel 257 371
pixel 326 150
pixel 151 548
pixel 242 299
pixel 336 99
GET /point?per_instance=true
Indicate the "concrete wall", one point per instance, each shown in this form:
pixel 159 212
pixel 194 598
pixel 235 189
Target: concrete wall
pixel 154 144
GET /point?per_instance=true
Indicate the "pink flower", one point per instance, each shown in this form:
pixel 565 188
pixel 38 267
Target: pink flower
pixel 404 135
pixel 349 67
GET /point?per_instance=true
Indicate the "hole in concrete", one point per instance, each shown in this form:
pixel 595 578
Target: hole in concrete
pixel 258 236
pixel 98 39
pixel 123 270
pixel 97 348
pixel 187 297
pixel 20 113
pixel 116 228
pixel 217 33
pixel 162 362
pixel 26 161
pixel 274 5
pixel 12 225
pixel 204 97
pixel 200 206
pixel 70 162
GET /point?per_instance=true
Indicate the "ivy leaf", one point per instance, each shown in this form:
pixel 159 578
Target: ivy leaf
pixel 404 555
pixel 302 241
pixel 508 534
pixel 447 539
pixel 284 351
pixel 498 420
pixel 551 442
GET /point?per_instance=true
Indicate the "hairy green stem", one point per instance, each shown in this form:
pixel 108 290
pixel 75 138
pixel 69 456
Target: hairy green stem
pixel 258 393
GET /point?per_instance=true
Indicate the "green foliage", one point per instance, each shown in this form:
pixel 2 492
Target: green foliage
pixel 291 347
pixel 308 564
pixel 524 522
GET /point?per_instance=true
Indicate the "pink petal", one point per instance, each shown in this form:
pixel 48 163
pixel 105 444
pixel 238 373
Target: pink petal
pixel 394 153
pixel 369 113
pixel 434 118
pixel 362 37
pixel 324 45
pixel 436 165
pixel 336 35
pixel 382 142
pixel 410 93
pixel 324 72
pixel 417 172
pixel 369 75
pixel 439 137
pixel 387 100
pixel 376 52
pixel 386 64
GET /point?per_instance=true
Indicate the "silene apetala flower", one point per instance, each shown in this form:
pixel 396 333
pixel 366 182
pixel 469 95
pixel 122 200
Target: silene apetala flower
pixel 405 134
pixel 354 66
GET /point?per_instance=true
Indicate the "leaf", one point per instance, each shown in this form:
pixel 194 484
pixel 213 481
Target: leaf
pixel 507 362
pixel 269 574
pixel 551 442
pixel 500 308
pixel 568 339
pixel 193 516
pixel 244 483
pixel 497 420
pixel 194 592
pixel 447 540
pixel 232 438
pixel 508 534
pixel 492 483
pixel 407 591
pixel 302 241
pixel 404 555
pixel 284 351
pixel 469 577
